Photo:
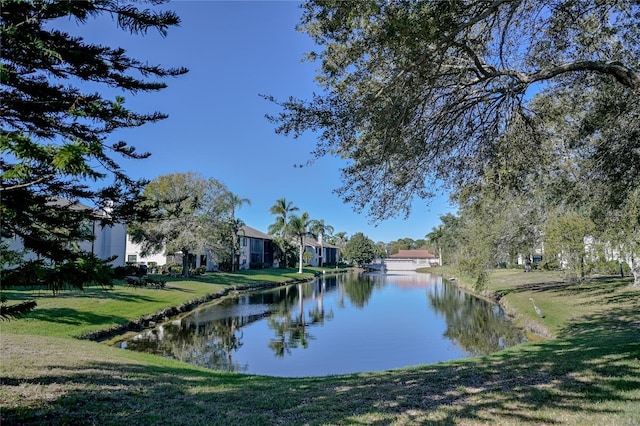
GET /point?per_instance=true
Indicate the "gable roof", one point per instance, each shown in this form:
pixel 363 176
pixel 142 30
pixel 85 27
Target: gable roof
pixel 312 242
pixel 254 233
pixel 413 254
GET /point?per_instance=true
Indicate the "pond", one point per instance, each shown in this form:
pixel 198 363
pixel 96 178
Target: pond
pixel 336 324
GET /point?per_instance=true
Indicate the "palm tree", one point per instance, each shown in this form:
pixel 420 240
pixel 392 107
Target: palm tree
pixel 282 208
pixel 319 228
pixel 298 228
pixel 339 239
pixel 434 238
pixel 235 202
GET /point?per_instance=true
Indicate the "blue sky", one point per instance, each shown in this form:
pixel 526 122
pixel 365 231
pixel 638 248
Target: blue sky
pixel 235 51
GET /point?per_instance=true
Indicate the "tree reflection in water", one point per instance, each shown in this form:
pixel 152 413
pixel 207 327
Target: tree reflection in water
pixel 207 344
pixel 290 325
pixel 359 288
pixel 296 322
pixel 475 324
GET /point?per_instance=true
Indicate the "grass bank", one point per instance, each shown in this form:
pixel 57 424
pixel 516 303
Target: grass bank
pixel 589 374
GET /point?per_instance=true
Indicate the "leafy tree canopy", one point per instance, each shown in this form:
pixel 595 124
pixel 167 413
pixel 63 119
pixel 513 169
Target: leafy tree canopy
pixel 415 93
pixel 360 249
pixel 192 212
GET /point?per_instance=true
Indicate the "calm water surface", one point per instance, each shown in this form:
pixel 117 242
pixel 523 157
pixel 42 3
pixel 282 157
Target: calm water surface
pixel 338 324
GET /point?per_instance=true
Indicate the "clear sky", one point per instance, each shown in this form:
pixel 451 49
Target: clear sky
pixel 235 51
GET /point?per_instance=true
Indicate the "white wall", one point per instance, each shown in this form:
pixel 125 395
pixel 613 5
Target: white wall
pixel 109 241
pixel 133 249
pixel 408 264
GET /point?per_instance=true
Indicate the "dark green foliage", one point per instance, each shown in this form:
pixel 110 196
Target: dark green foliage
pixel 55 134
pixel 16 310
pixel 84 269
pixel 360 249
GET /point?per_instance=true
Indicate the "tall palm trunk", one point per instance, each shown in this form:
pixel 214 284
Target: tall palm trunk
pixel 300 251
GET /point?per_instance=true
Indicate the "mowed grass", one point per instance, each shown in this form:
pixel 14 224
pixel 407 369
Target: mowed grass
pixel 588 374
pixel 73 313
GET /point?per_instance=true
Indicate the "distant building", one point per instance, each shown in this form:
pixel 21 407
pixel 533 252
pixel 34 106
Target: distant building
pixel 410 260
pixel 108 241
pixel 323 253
pixel 256 249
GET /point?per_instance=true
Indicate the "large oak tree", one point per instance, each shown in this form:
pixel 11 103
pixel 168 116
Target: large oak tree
pixel 415 93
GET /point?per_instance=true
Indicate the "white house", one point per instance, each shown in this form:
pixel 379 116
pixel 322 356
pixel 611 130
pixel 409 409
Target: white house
pixel 108 241
pixel 255 251
pixel 410 260
pixel 135 258
pixel 207 259
pixel 323 253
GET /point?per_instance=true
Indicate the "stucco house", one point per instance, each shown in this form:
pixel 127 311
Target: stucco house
pixel 109 241
pixel 323 253
pixel 256 249
pixel 410 260
pixel 206 259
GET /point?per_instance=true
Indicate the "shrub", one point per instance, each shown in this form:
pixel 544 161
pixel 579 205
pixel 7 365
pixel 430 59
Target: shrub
pixel 608 267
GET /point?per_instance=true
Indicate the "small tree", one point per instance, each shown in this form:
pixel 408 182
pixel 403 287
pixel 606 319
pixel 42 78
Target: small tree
pixel 298 228
pixel 285 251
pixel 360 249
pixel 307 256
pixel 565 239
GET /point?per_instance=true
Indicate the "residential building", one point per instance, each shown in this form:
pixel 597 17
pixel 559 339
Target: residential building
pixel 256 249
pixel 410 260
pixel 108 242
pixel 323 253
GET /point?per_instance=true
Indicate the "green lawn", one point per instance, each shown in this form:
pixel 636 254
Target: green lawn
pixel 74 313
pixel 588 374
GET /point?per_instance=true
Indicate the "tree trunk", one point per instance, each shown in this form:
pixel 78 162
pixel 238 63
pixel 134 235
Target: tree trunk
pixel 185 263
pixel 300 258
pixel 635 270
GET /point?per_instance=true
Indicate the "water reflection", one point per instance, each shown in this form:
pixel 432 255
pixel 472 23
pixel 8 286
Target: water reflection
pixel 334 325
pixel 475 324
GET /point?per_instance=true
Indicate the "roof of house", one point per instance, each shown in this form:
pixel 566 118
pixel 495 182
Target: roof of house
pixel 311 242
pixel 75 206
pixel 254 233
pixel 413 254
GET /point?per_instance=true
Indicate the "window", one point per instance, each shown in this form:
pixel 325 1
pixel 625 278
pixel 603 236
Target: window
pixel 256 246
pixel 132 258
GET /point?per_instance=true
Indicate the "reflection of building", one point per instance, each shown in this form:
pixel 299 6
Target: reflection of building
pixel 410 260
